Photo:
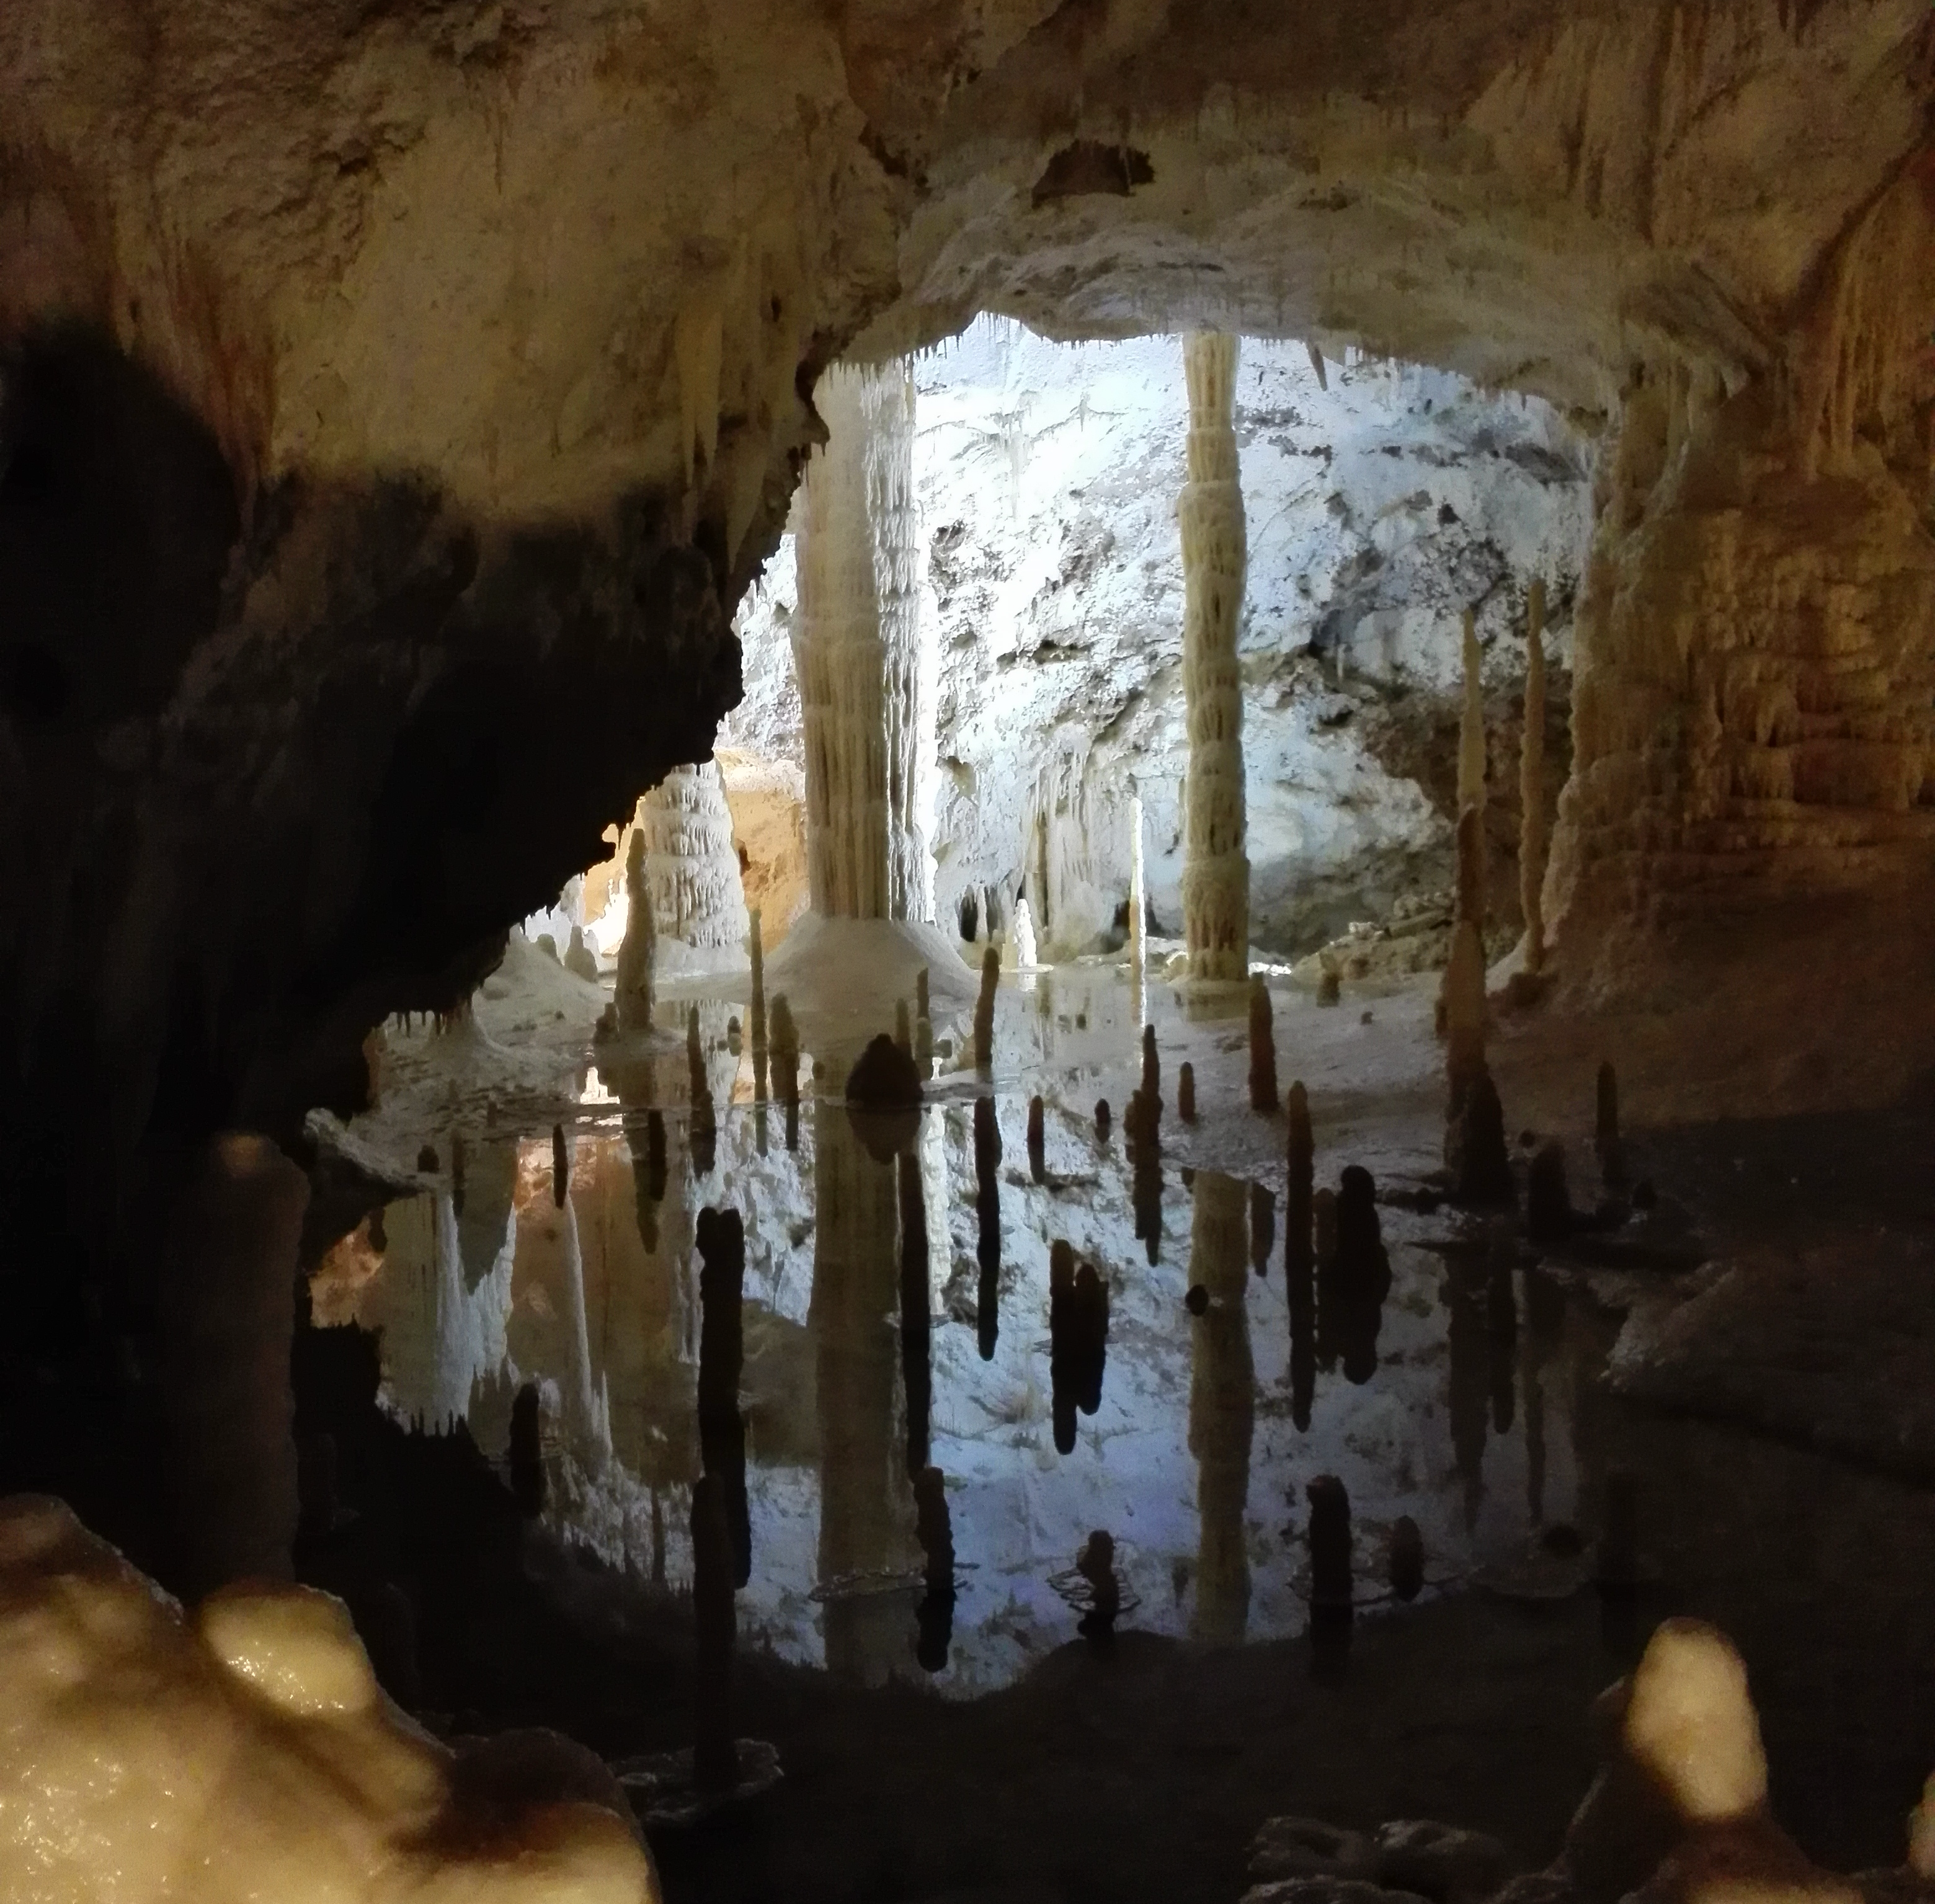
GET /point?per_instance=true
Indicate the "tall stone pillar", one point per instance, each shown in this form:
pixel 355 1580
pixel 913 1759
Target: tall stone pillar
pixel 692 869
pixel 1215 868
pixel 856 640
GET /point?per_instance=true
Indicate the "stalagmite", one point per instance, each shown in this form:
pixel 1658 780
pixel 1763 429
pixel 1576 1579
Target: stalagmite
pixel 1263 1050
pixel 1331 1591
pixel 857 649
pixel 1464 981
pixel 1037 1138
pixel 692 869
pixel 934 1616
pixel 923 1047
pixel 580 960
pixel 1022 939
pixel 1464 1013
pixel 1138 893
pixel 984 1010
pixel 1531 783
pixel 1185 1093
pixel 755 950
pixel 988 1225
pixel 633 987
pixel 785 1065
pixel 1216 873
pixel 704 1129
pixel 1151 1087
pixel 227 1314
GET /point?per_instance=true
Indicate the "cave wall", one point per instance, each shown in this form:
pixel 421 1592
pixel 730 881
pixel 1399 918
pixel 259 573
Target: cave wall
pixel 1382 499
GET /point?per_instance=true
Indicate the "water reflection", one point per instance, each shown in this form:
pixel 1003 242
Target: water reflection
pixel 921 1422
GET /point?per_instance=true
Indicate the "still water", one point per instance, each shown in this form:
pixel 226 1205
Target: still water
pixel 898 1316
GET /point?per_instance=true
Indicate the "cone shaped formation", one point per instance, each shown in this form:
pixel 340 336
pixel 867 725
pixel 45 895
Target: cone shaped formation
pixel 1216 871
pixel 1263 1050
pixel 633 987
pixel 984 1010
pixel 1185 1093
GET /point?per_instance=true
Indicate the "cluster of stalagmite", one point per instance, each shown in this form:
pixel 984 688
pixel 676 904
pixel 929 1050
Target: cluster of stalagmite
pixel 692 866
pixel 1216 869
pixel 857 647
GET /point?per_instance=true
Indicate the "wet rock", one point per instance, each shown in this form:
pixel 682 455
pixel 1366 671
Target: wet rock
pixel 1289 1848
pixel 1440 1861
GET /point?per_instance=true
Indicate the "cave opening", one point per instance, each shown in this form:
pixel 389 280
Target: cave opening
pixel 814 1094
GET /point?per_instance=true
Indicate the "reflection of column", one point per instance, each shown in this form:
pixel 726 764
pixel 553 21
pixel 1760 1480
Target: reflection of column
pixel 856 651
pixel 1222 1405
pixel 866 1518
pixel 1215 871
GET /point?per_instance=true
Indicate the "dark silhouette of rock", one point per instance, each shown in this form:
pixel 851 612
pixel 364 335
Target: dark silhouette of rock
pixel 1151 1085
pixel 883 1098
pixel 1102 1119
pixel 1475 1151
pixel 560 1166
pixel 527 1453
pixel 1262 1227
pixel 1407 1558
pixel 916 1366
pixel 984 1010
pixel 1606 1128
pixel 715 1759
pixel 1548 1201
pixel 655 1155
pixel 1037 1138
pixel 1331 1590
pixel 428 1161
pixel 1263 1050
pixel 934 1616
pixel 1185 1093
pixel 721 1239
pixel 1096 1564
pixel 987 1225
pixel 1195 1299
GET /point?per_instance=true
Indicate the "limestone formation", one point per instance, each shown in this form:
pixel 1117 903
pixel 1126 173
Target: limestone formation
pixel 633 985
pixel 1476 1154
pixel 692 868
pixel 580 960
pixel 1020 939
pixel 856 649
pixel 245 1749
pixel 1465 1014
pixel 1471 777
pixel 1216 873
pixel 1185 1093
pixel 1102 1119
pixel 1263 1226
pixel 527 1451
pixel 1152 1083
pixel 984 1010
pixel 721 1237
pixel 756 953
pixel 1263 1051
pixel 1548 1201
pixel 1531 783
pixel 1037 1138
pixel 1138 892
pixel 786 1060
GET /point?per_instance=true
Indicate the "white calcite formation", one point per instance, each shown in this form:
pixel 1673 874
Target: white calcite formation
pixel 692 866
pixel 857 649
pixel 1378 504
pixel 240 1752
pixel 1216 871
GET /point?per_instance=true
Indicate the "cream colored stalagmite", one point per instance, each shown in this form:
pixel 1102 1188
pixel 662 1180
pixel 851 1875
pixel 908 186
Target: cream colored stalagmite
pixel 633 989
pixel 855 642
pixel 1215 871
pixel 1531 783
pixel 692 868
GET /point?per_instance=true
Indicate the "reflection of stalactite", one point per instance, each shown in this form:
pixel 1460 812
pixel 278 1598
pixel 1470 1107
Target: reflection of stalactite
pixel 934 1616
pixel 1502 1326
pixel 988 1225
pixel 916 1373
pixel 1262 1227
pixel 705 1138
pixel 786 1066
pixel 1353 1285
pixel 855 641
pixel 721 1238
pixel 1078 1337
pixel 1144 1149
pixel 1222 1407
pixel 1216 874
pixel 715 1766
pixel 865 1496
pixel 1466 1338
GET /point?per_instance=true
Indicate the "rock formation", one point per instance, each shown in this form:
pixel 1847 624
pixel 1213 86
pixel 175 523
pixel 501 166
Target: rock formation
pixel 692 870
pixel 987 1225
pixel 720 1237
pixel 1222 1405
pixel 1263 1051
pixel 1185 1093
pixel 984 1010
pixel 1531 783
pixel 1216 874
pixel 1471 880
pixel 856 637
pixel 339 1795
pixel 755 954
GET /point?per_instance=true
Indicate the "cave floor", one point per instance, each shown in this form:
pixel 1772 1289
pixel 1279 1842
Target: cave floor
pixel 1766 1402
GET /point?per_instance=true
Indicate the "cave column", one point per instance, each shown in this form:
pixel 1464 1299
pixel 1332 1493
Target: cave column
pixel 692 871
pixel 857 649
pixel 1215 869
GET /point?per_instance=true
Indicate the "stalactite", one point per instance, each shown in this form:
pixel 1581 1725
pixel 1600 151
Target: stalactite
pixel 856 637
pixel 1263 1050
pixel 1531 783
pixel 1216 872
pixel 692 866
pixel 755 950
pixel 984 1010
